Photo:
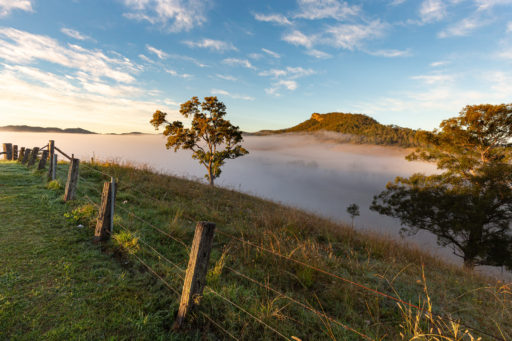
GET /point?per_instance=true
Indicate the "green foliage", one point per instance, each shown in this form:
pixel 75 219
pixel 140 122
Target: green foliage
pixel 469 205
pixel 127 241
pixel 360 129
pixel 81 215
pixel 54 185
pixel 353 210
pixel 208 134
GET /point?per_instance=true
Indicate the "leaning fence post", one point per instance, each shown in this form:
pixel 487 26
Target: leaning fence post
pixel 195 278
pixel 104 224
pixel 26 155
pixel 42 162
pixel 22 154
pixel 51 150
pixel 7 151
pixel 69 194
pixel 15 152
pixel 33 157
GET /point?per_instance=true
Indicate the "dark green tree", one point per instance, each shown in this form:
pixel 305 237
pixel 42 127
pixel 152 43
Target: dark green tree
pixel 211 138
pixel 353 210
pixel 468 206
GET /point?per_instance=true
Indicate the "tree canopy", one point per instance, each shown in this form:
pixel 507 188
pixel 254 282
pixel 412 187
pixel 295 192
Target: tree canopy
pixel 468 206
pixel 211 138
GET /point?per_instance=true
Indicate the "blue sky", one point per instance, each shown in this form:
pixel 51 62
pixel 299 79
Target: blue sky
pixel 108 65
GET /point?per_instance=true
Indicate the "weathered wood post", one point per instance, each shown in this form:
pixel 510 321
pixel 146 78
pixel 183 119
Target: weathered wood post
pixel 51 150
pixel 33 157
pixel 7 151
pixel 53 175
pixel 26 155
pixel 105 222
pixel 69 194
pixel 42 162
pixel 15 152
pixel 195 278
pixel 22 154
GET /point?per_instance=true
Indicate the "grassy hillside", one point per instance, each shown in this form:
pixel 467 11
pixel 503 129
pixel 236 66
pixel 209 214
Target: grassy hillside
pixel 57 283
pixel 359 128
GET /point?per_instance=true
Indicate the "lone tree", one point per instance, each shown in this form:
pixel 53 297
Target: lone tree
pixel 211 138
pixel 469 205
pixel 353 210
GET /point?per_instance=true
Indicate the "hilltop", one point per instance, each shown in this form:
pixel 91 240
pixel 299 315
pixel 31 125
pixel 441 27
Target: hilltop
pixel 359 128
pixel 66 287
pixel 32 129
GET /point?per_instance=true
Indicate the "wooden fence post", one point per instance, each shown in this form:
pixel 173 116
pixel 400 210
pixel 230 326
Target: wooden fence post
pixel 33 157
pixel 26 155
pixel 195 278
pixel 42 162
pixel 15 152
pixel 22 154
pixel 69 194
pixel 51 150
pixel 54 167
pixel 104 224
pixel 7 151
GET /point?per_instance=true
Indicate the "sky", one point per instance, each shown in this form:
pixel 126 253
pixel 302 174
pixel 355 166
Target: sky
pixel 107 65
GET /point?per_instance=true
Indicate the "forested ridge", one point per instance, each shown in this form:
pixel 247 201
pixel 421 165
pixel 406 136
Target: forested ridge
pixel 360 128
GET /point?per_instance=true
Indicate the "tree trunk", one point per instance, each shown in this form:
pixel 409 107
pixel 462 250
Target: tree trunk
pixel 210 177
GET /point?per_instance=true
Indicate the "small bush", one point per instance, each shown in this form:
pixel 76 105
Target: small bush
pixel 81 215
pixel 54 185
pixel 127 241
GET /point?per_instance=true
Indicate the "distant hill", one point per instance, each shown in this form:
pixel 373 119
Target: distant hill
pixel 29 129
pixel 24 128
pixel 359 129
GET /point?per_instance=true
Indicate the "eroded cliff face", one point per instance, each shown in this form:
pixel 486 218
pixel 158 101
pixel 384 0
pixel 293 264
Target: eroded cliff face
pixel 317 117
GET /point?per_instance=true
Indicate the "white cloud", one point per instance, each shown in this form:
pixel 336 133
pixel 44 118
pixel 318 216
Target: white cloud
pixel 290 72
pixel 24 48
pixel 228 94
pixel 321 9
pixel 211 44
pixel 435 79
pixel 177 15
pixel 240 62
pixel 6 6
pixel 74 34
pixel 391 53
pixel 274 18
pixel 299 39
pixel 505 54
pixel 226 77
pixel 439 63
pixel 281 84
pixel 28 94
pixel 271 53
pixel 159 53
pixel 462 28
pixel 350 36
pixel 176 74
pixel 146 59
pixel 396 2
pixel 432 10
pixel 318 54
pixel 509 27
pixel 488 4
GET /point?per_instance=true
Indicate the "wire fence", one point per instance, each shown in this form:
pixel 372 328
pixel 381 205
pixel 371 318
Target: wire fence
pixel 152 250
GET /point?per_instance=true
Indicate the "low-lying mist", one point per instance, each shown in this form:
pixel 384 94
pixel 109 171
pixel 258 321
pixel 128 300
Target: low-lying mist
pixel 316 173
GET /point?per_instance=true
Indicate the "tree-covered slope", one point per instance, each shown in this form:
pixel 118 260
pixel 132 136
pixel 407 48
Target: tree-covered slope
pixel 361 128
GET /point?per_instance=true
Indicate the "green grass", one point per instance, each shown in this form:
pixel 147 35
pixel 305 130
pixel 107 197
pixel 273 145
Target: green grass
pixel 56 283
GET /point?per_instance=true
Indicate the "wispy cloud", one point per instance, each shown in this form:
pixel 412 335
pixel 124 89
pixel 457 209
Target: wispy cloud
pixel 488 4
pixel 439 63
pixel 281 84
pixel 318 54
pixel 350 36
pixel 176 15
pixel 146 59
pixel 397 2
pixel 226 77
pixel 322 9
pixel 176 74
pixel 298 38
pixel 216 45
pixel 289 72
pixel 240 62
pixel 74 34
pixel 273 18
pixel 435 78
pixel 159 53
pixel 391 53
pixel 271 53
pixel 509 27
pixel 7 6
pixel 432 10
pixel 24 48
pixel 463 27
pixel 228 94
